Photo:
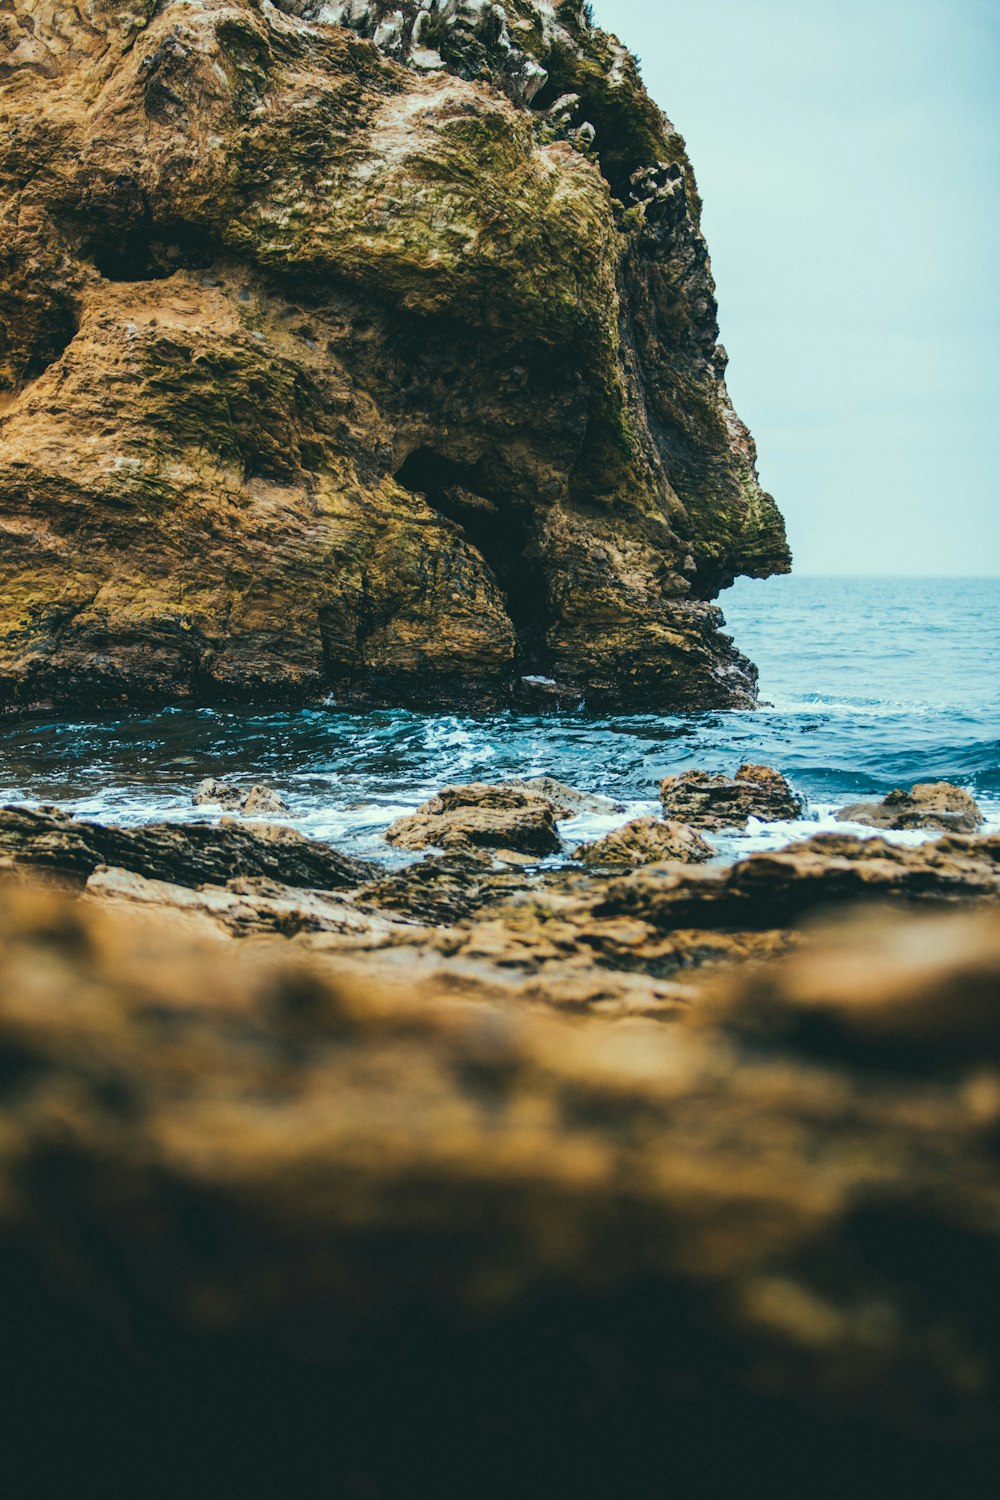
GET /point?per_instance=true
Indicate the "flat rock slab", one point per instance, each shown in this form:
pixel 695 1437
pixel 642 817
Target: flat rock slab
pixel 934 805
pixel 718 803
pixel 187 854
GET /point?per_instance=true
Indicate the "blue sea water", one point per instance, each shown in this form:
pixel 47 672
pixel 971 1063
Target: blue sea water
pixel 867 684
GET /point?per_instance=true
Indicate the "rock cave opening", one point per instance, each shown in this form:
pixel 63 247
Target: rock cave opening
pixel 150 252
pixel 501 532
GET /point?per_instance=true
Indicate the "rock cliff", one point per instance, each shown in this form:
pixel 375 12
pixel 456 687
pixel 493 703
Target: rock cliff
pixel 361 349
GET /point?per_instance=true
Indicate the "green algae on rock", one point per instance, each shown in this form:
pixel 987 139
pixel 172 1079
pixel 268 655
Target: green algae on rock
pixel 358 349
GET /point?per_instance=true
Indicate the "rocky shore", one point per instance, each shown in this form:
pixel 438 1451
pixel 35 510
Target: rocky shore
pixel 489 1173
pixel 367 350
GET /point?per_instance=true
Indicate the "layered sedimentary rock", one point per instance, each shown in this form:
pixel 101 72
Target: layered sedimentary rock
pixel 265 1229
pixel 361 349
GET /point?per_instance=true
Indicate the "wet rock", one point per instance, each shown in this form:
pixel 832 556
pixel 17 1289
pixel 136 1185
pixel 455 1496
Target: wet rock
pixel 761 1240
pixel 442 889
pixel 776 889
pixel 500 821
pixel 936 805
pixel 567 802
pixel 267 437
pixel 646 841
pixel 255 801
pixel 246 907
pixel 718 803
pixel 189 854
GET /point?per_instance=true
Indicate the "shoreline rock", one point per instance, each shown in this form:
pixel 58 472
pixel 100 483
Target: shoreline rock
pixel 646 841
pixel 935 805
pixel 254 801
pixel 184 854
pixel 268 438
pixel 718 803
pixel 505 822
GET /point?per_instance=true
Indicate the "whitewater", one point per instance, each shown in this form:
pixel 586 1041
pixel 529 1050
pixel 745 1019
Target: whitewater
pixel 866 684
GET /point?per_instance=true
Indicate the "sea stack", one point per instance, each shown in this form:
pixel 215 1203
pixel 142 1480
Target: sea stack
pixel 360 349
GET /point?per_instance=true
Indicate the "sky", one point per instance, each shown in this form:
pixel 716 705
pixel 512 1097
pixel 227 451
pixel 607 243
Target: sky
pixel 848 156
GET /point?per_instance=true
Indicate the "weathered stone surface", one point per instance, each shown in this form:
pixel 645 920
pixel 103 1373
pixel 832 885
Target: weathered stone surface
pixel 187 854
pixel 503 820
pixel 931 804
pixel 720 802
pixel 248 907
pixel 498 1247
pixel 254 801
pixel 777 888
pixel 646 841
pixel 566 801
pixel 349 362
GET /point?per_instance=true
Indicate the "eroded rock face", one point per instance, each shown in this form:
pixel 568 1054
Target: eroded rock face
pixel 254 801
pixel 720 802
pixel 304 1225
pixel 355 349
pixel 930 804
pixel 646 841
pixel 481 819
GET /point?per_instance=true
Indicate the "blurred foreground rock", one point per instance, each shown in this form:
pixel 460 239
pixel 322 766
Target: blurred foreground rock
pixel 270 1224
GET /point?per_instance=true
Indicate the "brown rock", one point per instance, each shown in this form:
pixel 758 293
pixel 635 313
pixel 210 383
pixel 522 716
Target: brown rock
pixel 255 801
pixel 762 1241
pixel 189 854
pixel 504 820
pixel 268 436
pixel 775 889
pixel 718 803
pixel 646 841
pixel 566 801
pixel 934 805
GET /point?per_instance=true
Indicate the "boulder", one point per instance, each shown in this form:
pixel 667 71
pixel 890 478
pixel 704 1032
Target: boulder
pixel 408 446
pixel 935 805
pixel 718 803
pixel 777 888
pixel 567 802
pixel 646 841
pixel 256 801
pixel 481 820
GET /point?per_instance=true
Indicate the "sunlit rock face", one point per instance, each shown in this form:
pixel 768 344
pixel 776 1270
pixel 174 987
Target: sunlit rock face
pixel 360 349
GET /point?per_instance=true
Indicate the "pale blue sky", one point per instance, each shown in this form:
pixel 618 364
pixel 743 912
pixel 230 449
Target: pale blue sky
pixel 849 157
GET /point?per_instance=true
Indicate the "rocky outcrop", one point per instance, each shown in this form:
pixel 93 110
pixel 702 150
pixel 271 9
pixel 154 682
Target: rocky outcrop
pixel 936 805
pixel 508 821
pixel 273 1222
pixel 357 349
pixel 190 854
pixel 776 889
pixel 254 801
pixel 718 803
pixel 646 841
pixel 566 801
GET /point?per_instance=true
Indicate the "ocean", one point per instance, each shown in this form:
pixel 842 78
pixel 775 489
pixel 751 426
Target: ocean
pixel 866 684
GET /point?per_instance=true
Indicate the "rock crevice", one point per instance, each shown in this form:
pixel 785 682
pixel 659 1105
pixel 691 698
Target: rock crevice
pixel 361 349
